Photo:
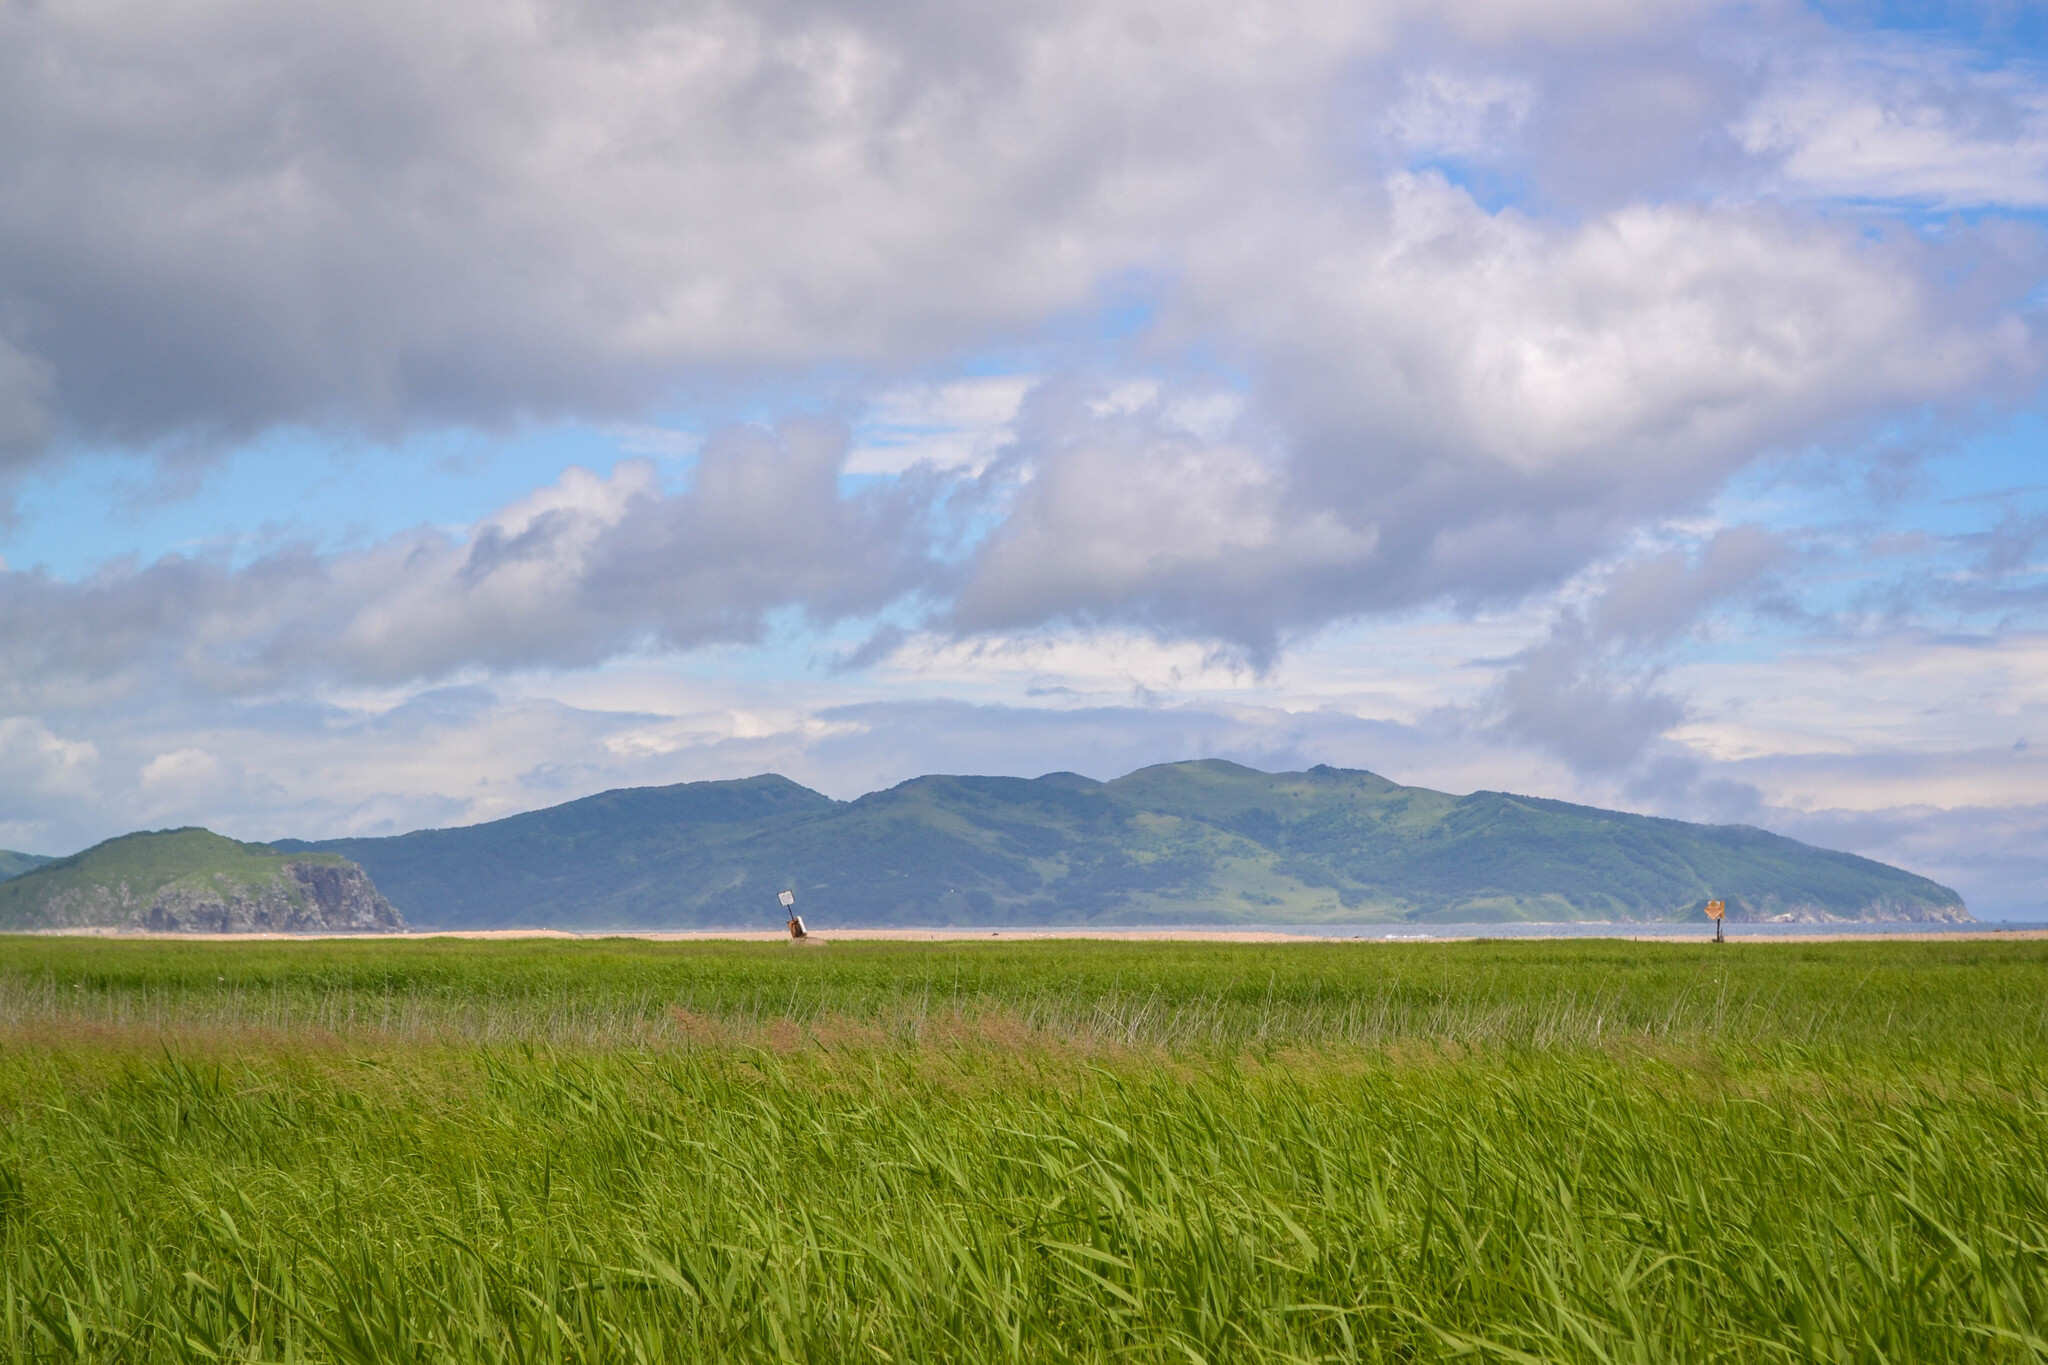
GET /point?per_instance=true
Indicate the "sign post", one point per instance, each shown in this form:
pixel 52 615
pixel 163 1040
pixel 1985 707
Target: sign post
pixel 1715 910
pixel 796 921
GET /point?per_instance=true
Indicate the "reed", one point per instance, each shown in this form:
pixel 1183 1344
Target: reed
pixel 1057 1152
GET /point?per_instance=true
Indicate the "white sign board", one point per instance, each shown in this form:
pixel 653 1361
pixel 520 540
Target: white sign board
pixel 788 898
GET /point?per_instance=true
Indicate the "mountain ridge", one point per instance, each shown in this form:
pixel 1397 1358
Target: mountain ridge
pixel 13 864
pixel 1204 841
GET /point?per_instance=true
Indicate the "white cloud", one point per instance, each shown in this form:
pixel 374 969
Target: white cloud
pixel 1347 391
pixel 373 218
pixel 181 768
pixel 585 570
pixel 958 425
pixel 1918 695
pixel 46 783
pixel 1059 668
pixel 1455 114
pixel 1563 21
pixel 36 761
pixel 1124 518
pixel 662 442
pixel 1656 346
pixel 1906 123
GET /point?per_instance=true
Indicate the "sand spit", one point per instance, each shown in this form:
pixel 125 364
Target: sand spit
pixel 1392 933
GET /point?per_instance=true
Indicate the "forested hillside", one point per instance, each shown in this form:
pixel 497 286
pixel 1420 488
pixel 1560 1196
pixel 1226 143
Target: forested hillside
pixel 1198 842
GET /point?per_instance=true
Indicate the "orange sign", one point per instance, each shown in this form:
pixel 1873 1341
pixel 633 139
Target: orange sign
pixel 1715 909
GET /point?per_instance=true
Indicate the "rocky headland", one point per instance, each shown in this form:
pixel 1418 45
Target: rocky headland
pixel 195 881
pixel 301 898
pixel 1880 909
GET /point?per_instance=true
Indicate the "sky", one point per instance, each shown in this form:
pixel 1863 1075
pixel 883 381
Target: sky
pixel 412 415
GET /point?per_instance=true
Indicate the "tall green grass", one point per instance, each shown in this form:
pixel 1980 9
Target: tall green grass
pixel 1088 1152
pixel 1887 997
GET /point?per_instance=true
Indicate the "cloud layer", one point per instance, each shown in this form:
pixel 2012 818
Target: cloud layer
pixel 221 221
pixel 1223 328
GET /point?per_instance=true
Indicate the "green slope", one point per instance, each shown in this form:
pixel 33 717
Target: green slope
pixel 135 869
pixel 1180 843
pixel 1490 855
pixel 606 859
pixel 14 864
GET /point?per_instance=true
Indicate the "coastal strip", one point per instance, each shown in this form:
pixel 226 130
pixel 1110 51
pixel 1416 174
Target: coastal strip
pixel 984 935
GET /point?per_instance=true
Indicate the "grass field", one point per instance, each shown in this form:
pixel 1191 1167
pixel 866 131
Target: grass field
pixel 626 1151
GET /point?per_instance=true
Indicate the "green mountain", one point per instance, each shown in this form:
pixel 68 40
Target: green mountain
pixel 193 880
pixel 612 859
pixel 1182 843
pixel 14 864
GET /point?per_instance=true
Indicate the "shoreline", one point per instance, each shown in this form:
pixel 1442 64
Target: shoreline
pixel 821 937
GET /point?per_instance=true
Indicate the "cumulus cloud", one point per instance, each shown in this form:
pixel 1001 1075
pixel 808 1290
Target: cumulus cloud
pixel 221 218
pixel 47 784
pixel 963 424
pixel 1124 515
pixel 571 575
pixel 181 785
pixel 1568 695
pixel 37 762
pixel 223 221
pixel 1470 115
pixel 1499 401
pixel 1649 598
pixel 1917 123
pixel 1590 691
pixel 1451 403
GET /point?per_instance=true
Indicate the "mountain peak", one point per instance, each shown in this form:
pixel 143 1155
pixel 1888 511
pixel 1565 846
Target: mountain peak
pixel 1203 841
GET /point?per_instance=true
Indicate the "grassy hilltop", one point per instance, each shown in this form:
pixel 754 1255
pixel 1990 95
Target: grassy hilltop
pixel 1063 1152
pixel 192 878
pixel 1180 843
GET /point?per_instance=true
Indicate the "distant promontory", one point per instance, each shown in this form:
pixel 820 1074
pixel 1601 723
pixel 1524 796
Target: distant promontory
pixel 195 881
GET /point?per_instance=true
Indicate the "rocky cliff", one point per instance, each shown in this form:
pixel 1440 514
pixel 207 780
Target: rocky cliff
pixel 301 898
pixel 1768 909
